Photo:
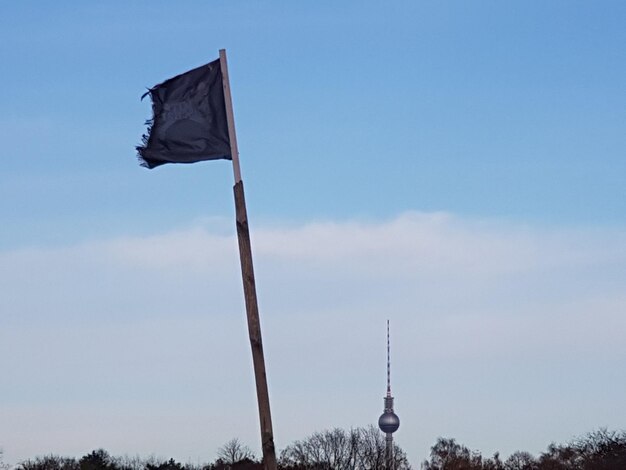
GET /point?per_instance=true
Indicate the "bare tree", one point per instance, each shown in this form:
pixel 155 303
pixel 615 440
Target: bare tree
pixel 521 461
pixel 3 464
pixel 234 451
pixel 371 455
pixel 601 450
pixel 337 449
pixel 49 462
pixel 127 462
pixel 447 454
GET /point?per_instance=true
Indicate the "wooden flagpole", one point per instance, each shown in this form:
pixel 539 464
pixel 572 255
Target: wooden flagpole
pixel 249 286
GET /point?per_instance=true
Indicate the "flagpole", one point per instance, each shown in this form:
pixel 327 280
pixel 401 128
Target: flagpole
pixel 249 287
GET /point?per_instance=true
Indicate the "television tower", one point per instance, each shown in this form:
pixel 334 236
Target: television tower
pixel 388 421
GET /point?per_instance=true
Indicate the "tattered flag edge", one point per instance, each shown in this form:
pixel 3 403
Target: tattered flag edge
pixel 146 137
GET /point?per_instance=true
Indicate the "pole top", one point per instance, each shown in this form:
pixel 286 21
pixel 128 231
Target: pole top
pixel 228 101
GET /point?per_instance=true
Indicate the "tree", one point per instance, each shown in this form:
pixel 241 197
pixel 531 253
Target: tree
pixel 601 450
pixel 521 461
pixel 97 460
pixel 494 463
pixel 49 462
pixel 337 449
pixel 371 447
pixel 559 457
pixel 3 464
pixel 131 463
pixel 234 451
pixel 171 464
pixel 447 454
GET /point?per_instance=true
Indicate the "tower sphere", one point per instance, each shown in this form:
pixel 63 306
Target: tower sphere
pixel 388 422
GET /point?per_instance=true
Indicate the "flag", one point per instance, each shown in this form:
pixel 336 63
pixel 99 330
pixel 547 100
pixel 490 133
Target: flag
pixel 188 124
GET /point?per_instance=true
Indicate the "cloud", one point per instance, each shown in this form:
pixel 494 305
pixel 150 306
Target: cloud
pixel 484 315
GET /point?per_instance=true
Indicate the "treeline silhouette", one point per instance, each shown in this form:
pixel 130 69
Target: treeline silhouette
pixel 357 448
pixel 363 449
pixel 598 450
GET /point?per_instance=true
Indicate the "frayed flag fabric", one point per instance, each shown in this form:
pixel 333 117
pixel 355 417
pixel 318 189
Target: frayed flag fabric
pixel 189 122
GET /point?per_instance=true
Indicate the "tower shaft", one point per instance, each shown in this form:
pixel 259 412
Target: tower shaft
pixel 389 451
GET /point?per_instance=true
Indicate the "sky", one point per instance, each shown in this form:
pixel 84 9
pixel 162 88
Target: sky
pixel 455 167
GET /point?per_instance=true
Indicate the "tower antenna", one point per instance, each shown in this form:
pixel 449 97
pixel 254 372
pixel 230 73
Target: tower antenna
pixel 388 363
pixel 388 421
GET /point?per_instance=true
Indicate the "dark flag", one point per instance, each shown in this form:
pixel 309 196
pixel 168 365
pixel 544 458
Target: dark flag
pixel 189 119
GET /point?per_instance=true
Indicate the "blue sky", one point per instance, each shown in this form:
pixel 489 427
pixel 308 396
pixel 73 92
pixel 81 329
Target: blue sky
pixel 455 166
